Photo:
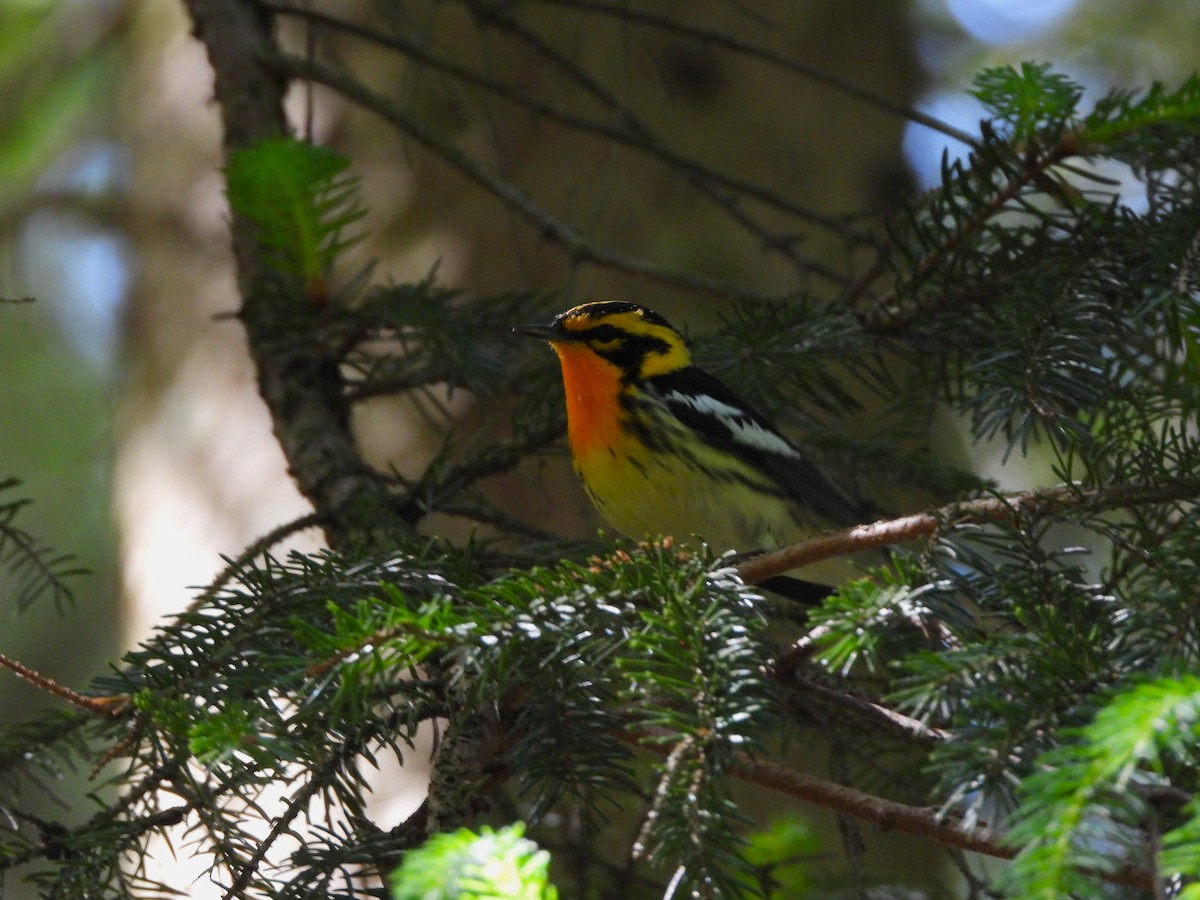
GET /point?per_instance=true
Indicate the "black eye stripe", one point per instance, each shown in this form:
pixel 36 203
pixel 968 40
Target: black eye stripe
pixel 629 344
pixel 637 344
pixel 628 352
pixel 604 333
pixel 654 345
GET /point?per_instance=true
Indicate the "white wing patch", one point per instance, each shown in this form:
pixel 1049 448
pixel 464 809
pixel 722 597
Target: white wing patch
pixel 743 429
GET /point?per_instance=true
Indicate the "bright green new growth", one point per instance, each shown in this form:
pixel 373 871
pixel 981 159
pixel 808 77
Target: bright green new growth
pixel 463 865
pixel 1080 810
pixel 1027 99
pixel 300 201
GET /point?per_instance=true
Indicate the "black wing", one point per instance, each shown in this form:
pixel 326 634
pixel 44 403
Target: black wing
pixel 725 421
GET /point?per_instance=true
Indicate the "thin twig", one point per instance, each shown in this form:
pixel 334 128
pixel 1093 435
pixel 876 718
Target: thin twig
pixel 579 246
pixel 108 707
pixel 725 41
pixel 237 564
pixel 886 815
pixel 722 189
pixel 884 317
pixel 295 807
pixel 632 132
pixel 873 714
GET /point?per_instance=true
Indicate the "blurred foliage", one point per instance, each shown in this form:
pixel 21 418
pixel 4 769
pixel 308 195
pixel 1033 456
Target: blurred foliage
pixel 35 569
pixel 51 89
pixel 784 851
pixel 468 866
pixel 463 865
pixel 57 64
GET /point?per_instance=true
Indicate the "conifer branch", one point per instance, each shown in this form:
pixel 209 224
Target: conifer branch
pixel 256 548
pixel 885 318
pixel 547 675
pixel 299 381
pixel 1007 508
pixel 886 815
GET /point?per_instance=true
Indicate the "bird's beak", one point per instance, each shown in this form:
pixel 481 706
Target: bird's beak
pixel 549 333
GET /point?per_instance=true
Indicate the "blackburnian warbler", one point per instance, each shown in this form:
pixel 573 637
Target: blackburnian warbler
pixel 664 448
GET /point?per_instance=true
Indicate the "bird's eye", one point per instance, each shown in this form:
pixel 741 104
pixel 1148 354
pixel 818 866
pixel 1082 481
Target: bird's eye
pixel 605 337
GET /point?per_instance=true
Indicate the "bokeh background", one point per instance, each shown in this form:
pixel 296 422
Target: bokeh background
pixel 127 401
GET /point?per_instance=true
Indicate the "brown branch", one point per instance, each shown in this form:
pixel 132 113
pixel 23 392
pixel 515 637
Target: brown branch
pixel 297 376
pixel 1007 508
pixel 886 815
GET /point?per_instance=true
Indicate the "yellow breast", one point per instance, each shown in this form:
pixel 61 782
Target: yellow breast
pixel 642 492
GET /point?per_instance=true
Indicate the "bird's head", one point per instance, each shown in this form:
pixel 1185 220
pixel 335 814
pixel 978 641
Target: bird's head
pixel 637 341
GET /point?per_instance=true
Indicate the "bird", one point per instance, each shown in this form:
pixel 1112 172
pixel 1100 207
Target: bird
pixel 665 448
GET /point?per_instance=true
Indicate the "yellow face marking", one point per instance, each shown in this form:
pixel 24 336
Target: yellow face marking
pixel 665 350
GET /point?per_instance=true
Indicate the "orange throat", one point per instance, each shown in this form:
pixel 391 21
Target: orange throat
pixel 592 386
